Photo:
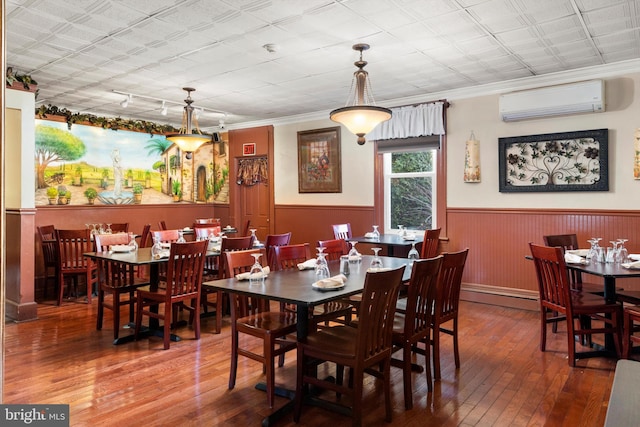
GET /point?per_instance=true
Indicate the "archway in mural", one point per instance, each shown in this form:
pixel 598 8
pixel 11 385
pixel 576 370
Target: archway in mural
pixel 201 184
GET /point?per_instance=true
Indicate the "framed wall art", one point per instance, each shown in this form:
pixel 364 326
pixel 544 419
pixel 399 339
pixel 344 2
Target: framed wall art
pixel 319 161
pixel 568 161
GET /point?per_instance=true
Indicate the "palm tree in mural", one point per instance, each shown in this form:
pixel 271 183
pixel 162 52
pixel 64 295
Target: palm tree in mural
pixel 157 146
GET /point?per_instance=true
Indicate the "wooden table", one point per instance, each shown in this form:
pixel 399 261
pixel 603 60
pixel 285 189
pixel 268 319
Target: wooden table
pixel 388 241
pixel 294 287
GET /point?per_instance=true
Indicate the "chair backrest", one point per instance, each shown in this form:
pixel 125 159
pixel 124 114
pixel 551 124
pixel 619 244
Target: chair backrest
pixel 553 277
pixel 214 221
pixel 333 248
pixel 103 241
pixel 566 242
pixel 448 288
pixel 275 240
pixel 162 225
pixel 204 230
pixel 247 226
pixel 184 269
pixel 48 243
pixel 376 313
pixel 145 240
pixel 237 262
pixel 430 243
pixel 71 245
pixel 166 236
pixel 342 231
pixel 421 294
pixel 233 244
pixel 122 227
pixel 289 256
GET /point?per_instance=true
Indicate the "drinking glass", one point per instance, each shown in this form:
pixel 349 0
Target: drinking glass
pixel 376 262
pixel 354 255
pixel 376 233
pixel 108 230
pixel 322 268
pixel 256 274
pixel 181 237
pixel 402 231
pixel 623 252
pixel 156 249
pixel 413 253
pixel 132 242
pixel 612 253
pixel 593 250
pixel 256 242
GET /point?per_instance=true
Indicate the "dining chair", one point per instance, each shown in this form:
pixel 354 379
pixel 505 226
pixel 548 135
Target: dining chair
pixel 334 248
pixel 72 244
pixel 556 295
pixel 247 226
pixel 364 348
pixel 253 317
pixel 275 240
pixel 447 301
pixel 413 324
pixel 122 227
pixel 182 285
pixel 116 279
pixel 48 244
pixel 342 231
pixel 430 242
pixel 145 237
pixel 162 225
pixel 204 230
pixel 208 221
pixel 165 236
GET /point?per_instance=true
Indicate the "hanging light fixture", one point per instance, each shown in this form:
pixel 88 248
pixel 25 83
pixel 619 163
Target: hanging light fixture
pixel 186 140
pixel 361 114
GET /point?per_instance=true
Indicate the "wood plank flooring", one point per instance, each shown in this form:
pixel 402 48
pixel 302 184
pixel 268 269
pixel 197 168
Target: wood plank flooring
pixel 504 380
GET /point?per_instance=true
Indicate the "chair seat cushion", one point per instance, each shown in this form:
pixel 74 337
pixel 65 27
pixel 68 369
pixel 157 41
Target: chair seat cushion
pixel 271 321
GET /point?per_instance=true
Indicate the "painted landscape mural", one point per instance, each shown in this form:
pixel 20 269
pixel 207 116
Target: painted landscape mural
pixel 92 165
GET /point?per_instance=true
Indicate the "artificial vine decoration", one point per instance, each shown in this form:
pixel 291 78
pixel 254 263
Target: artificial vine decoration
pixel 104 122
pixel 252 171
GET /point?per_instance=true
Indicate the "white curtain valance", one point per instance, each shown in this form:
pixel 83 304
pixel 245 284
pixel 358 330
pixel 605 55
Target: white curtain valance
pixel 411 121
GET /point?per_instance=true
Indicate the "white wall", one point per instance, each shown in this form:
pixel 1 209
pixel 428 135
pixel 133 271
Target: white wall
pixel 19 165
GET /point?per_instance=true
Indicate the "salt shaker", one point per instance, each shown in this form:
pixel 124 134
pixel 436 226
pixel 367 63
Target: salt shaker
pixel 344 264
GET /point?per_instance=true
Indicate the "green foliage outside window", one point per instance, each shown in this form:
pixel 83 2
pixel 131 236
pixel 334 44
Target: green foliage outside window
pixel 412 196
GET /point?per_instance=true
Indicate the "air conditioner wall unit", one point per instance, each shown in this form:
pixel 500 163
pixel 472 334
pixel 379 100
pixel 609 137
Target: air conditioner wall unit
pixel 573 98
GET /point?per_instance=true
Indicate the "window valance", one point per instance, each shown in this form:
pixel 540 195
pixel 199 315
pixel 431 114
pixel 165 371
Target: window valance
pixel 411 121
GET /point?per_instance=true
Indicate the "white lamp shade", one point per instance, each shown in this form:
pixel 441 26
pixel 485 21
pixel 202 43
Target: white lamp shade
pixel 188 142
pixel 360 119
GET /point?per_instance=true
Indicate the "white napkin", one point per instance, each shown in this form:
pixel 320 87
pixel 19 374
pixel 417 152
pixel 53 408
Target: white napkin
pixel 162 254
pixel 573 259
pixel 309 264
pixel 166 245
pixel 247 275
pixel 377 270
pixel 632 265
pixel 409 236
pixel 579 252
pixel 635 257
pixel 121 248
pixel 355 258
pixel 369 235
pixel 331 282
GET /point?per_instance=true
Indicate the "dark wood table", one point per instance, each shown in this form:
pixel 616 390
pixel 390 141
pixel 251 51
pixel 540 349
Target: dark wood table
pixel 389 241
pixel 294 287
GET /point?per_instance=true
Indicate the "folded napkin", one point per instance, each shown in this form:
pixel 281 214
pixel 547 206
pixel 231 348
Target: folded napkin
pixel 574 259
pixel 377 270
pixel 165 245
pixel 409 236
pixel 632 265
pixel 121 248
pixel 309 264
pixel 247 275
pixel 369 235
pixel 635 257
pixel 162 254
pixel 579 252
pixel 331 282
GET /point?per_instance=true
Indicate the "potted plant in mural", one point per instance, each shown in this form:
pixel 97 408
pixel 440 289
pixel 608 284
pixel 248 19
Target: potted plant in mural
pixel 67 194
pixel 91 194
pixel 137 193
pixel 147 179
pixel 52 195
pixel 176 190
pixel 129 180
pixel 77 177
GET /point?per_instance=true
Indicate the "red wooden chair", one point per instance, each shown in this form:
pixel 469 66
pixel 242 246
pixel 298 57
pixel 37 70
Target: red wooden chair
pixel 275 240
pixel 342 231
pixel 334 248
pixel 47 234
pixel 430 243
pixel 71 245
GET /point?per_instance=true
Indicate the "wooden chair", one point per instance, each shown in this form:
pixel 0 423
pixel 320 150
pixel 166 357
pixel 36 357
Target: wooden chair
pixel 47 234
pixel 365 348
pixel 334 248
pixel 145 237
pixel 253 317
pixel 203 231
pixel 247 226
pixel 342 231
pixel 557 296
pixel 162 225
pixel 71 245
pixel 214 221
pixel 184 279
pixel 446 305
pixel 233 244
pixel 275 240
pixel 414 324
pixel 631 326
pixel 429 248
pixel 116 279
pixel 120 227
pixel 166 236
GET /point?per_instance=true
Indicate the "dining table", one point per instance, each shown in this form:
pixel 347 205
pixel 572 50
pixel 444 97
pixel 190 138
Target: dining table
pixel 390 242
pixel 296 287
pixel 141 257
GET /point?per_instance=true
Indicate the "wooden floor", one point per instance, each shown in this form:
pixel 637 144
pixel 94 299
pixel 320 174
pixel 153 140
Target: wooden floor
pixel 504 380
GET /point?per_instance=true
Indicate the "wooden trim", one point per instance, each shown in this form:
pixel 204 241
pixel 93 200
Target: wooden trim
pixel 504 297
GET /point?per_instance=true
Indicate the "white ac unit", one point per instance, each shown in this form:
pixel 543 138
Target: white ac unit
pixel 573 98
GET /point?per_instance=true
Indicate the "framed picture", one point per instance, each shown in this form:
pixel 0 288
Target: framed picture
pixel 568 161
pixel 319 161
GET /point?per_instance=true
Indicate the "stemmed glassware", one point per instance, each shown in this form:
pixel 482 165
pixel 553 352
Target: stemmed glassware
pixel 256 242
pixel 376 262
pixel 612 252
pixel 413 253
pixel 108 229
pixel 623 253
pixel 354 255
pixel 376 233
pixel 156 249
pixel 594 250
pixel 402 230
pixel 181 237
pixel 132 242
pixel 256 274
pixel 322 268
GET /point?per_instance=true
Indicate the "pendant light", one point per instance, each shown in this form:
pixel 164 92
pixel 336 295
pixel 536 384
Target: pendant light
pixel 186 140
pixel 361 115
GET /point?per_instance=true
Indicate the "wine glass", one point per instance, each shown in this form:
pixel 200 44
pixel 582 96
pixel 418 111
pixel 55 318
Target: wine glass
pixel 256 274
pixel 322 268
pixel 413 253
pixel 354 255
pixel 402 231
pixel 132 242
pixel 181 237
pixel 108 230
pixel 256 242
pixel 376 233
pixel 376 262
pixel 156 249
pixel 623 252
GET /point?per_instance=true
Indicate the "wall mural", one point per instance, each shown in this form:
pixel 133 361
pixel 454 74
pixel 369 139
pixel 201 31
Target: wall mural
pixel 91 165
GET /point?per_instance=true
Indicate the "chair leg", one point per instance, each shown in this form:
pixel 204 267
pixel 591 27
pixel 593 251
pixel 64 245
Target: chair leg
pixel 116 313
pixel 234 358
pixel 626 345
pixel 456 352
pixel 571 342
pixel 543 329
pixel 436 353
pixel 60 288
pixel 167 326
pixel 132 303
pixel 427 364
pixel 138 316
pixel 300 366
pixel 357 375
pixel 406 375
pixel 100 309
pixel 269 362
pixel 387 387
pixel 219 311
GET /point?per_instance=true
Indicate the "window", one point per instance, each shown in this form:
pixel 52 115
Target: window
pixel 410 189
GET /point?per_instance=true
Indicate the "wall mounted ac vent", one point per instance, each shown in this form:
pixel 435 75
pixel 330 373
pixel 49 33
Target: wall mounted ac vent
pixel 573 98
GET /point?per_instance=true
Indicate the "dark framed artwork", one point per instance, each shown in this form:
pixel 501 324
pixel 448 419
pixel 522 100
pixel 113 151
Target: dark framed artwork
pixel 319 161
pixel 567 161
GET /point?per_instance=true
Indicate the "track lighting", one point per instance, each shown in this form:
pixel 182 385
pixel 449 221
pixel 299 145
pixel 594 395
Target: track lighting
pixel 164 109
pixel 126 101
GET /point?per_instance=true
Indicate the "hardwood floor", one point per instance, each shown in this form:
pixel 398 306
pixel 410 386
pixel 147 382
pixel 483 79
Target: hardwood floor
pixel 504 380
